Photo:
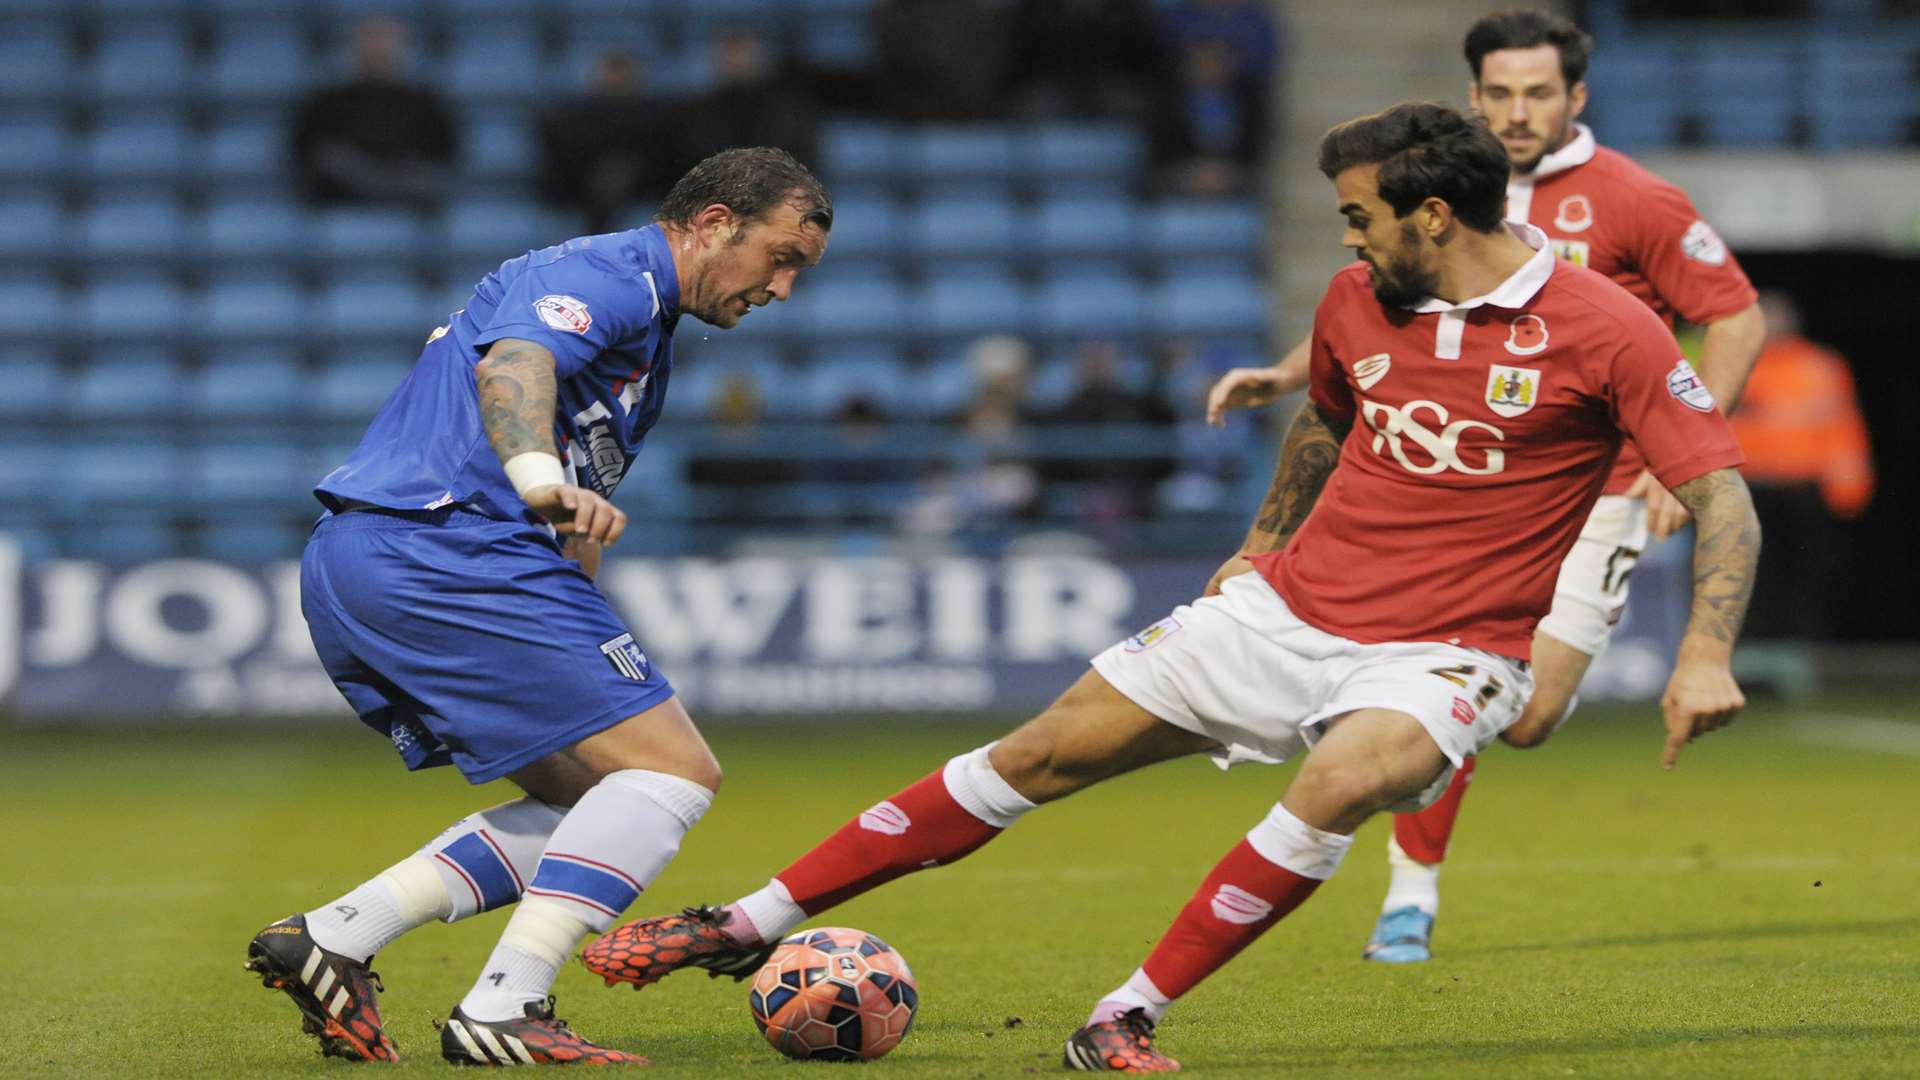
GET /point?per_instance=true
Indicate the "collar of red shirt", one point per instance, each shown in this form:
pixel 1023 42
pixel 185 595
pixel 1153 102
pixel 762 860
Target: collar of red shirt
pixel 1519 287
pixel 1578 151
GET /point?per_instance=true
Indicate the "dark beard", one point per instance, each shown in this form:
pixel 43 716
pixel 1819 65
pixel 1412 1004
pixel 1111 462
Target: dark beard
pixel 1402 287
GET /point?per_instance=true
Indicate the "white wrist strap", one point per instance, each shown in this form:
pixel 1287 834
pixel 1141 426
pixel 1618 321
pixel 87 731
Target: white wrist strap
pixel 534 469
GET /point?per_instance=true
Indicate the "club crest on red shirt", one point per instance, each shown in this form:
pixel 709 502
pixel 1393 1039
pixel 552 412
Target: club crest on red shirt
pixel 1512 391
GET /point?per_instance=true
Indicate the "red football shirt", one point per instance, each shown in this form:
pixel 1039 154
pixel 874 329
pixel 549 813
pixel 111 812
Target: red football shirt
pixel 1483 432
pixel 1602 210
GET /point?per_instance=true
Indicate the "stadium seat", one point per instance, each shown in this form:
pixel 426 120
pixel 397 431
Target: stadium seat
pixel 1634 92
pixel 248 152
pixel 264 383
pixel 1068 150
pixel 369 236
pixel 856 150
pixel 128 382
pixel 495 65
pixel 37 61
pixel 353 389
pixel 864 225
pixel 38 144
pixel 375 307
pixel 33 228
pixel 493 230
pixel 1747 92
pixel 1226 305
pixel 699 373
pixel 147 308
pixel 837 42
pixel 259 64
pixel 260 472
pixel 1079 304
pixel 141 150
pixel 32 310
pixel 120 542
pixel 970 304
pixel 1087 226
pixel 251 540
pixel 497 148
pixel 855 307
pixel 1862 91
pixel 255 307
pixel 1191 227
pixel 605 8
pixel 35 384
pixel 124 470
pixel 943 386
pixel 254 231
pixel 149 65
pixel 949 228
pixel 945 153
pixel 340 12
pixel 142 229
pixel 835 376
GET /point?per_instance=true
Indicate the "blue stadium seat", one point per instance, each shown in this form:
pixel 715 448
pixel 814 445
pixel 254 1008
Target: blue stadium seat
pixel 943 387
pixel 1066 150
pixel 864 225
pixel 34 310
pixel 259 472
pixel 948 228
pixel 37 61
pixel 124 470
pixel 340 12
pixel 499 229
pixel 971 304
pixel 143 150
pixel 1079 304
pixel 354 388
pixel 151 228
pixel 604 8
pixel 148 65
pixel 855 307
pixel 700 372
pixel 254 231
pixel 838 42
pixel 498 148
pixel 146 308
pixel 1747 91
pixel 375 307
pixel 259 64
pixel 253 540
pixel 33 228
pixel 1228 305
pixel 854 150
pixel 109 10
pixel 128 383
pixel 1635 93
pixel 495 66
pixel 945 153
pixel 1087 226
pixel 836 376
pixel 264 383
pixel 256 307
pixel 1862 90
pixel 35 384
pixel 1191 227
pixel 38 144
pixel 120 542
pixel 231 11
pixel 369 235
pixel 244 152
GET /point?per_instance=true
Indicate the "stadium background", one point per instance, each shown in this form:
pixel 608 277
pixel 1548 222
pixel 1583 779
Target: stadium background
pixel 830 516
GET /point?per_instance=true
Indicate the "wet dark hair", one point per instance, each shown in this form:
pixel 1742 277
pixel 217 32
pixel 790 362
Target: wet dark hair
pixel 1426 150
pixel 1524 30
pixel 750 181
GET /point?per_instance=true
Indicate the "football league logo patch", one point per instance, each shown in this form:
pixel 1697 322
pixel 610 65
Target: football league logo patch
pixel 626 657
pixel 1512 391
pixel 1152 635
pixel 1371 370
pixel 567 313
pixel 1685 385
pixel 1701 244
pixel 1575 214
pixel 1527 335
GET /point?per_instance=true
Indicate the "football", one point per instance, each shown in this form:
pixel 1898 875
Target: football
pixel 834 994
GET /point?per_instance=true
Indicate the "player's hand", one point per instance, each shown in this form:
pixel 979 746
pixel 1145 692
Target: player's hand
pixel 1243 388
pixel 1700 697
pixel 575 511
pixel 1233 567
pixel 1666 515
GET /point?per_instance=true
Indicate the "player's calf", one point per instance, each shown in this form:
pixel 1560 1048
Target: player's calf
pixel 338 997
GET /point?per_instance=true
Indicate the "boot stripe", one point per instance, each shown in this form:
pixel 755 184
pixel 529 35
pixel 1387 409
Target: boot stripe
pixel 324 985
pixel 313 964
pixel 499 1053
pixel 466 1041
pixel 340 999
pixel 519 1048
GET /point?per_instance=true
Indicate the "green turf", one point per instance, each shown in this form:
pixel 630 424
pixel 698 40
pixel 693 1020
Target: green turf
pixel 1752 914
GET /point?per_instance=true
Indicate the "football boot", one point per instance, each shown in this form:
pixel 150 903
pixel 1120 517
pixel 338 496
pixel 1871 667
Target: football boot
pixel 647 950
pixel 338 998
pixel 539 1038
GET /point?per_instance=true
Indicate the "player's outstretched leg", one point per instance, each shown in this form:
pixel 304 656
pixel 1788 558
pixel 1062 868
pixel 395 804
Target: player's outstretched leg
pixel 475 864
pixel 1404 932
pixel 1370 759
pixel 1091 733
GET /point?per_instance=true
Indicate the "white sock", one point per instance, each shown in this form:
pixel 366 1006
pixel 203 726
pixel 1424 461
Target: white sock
pixel 611 845
pixel 1138 992
pixel 405 895
pixel 1415 884
pixel 983 792
pixel 770 914
pixel 486 859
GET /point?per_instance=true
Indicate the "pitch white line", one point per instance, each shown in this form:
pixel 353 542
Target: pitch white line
pixel 1860 733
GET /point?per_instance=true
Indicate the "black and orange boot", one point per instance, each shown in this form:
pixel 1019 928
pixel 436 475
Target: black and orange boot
pixel 538 1039
pixel 1123 1044
pixel 647 950
pixel 338 998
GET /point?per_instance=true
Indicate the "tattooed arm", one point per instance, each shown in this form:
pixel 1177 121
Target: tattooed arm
pixel 1307 458
pixel 518 395
pixel 1702 695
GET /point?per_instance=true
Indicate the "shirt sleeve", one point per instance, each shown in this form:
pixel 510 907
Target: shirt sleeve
pixel 576 308
pixel 1684 260
pixel 1659 401
pixel 1327 385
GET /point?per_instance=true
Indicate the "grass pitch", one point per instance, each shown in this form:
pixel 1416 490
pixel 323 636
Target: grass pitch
pixel 1751 914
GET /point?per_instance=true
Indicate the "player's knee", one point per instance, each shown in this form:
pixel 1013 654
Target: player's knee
pixel 1353 789
pixel 1028 761
pixel 1525 736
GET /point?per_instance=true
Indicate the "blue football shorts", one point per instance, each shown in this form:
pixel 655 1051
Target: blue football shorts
pixel 468 640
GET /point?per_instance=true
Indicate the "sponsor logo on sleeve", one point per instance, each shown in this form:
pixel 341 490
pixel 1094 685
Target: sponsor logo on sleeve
pixel 1371 370
pixel 1701 244
pixel 1152 635
pixel 1512 391
pixel 626 657
pixel 1527 335
pixel 566 313
pixel 1686 386
pixel 1575 214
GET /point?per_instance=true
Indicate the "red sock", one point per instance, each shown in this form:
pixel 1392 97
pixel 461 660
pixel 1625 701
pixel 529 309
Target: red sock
pixel 1243 896
pixel 920 827
pixel 1424 835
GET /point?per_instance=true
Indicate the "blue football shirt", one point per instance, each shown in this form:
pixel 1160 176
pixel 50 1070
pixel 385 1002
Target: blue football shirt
pixel 605 306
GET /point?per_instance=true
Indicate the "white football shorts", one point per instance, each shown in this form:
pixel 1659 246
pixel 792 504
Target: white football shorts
pixel 1592 590
pixel 1243 670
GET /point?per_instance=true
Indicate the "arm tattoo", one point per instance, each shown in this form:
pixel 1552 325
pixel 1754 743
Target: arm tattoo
pixel 1307 458
pixel 1726 548
pixel 518 393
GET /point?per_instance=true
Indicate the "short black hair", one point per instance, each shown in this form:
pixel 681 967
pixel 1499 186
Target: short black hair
pixel 750 181
pixel 1426 150
pixel 1525 30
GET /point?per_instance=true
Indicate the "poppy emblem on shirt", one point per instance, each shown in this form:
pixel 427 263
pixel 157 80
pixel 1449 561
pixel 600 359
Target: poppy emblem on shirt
pixel 1685 385
pixel 1371 370
pixel 568 313
pixel 1575 214
pixel 1527 335
pixel 1512 391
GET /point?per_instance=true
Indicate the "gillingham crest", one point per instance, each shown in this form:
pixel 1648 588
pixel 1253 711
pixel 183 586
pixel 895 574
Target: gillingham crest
pixel 1512 391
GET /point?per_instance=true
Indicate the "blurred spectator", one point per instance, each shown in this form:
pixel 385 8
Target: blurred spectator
pixel 1209 127
pixel 1213 463
pixel 988 483
pixel 1084 59
pixel 753 102
pixel 732 468
pixel 1104 487
pixel 608 149
pixel 1809 466
pixel 1244 26
pixel 938 60
pixel 376 137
